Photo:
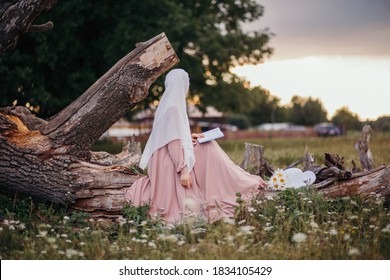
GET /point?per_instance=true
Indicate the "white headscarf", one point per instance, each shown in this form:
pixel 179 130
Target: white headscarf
pixel 171 119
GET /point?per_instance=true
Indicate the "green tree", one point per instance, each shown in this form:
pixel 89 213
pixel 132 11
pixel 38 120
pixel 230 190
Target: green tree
pixel 265 107
pixel 306 111
pixel 346 120
pixel 49 70
pixel 381 124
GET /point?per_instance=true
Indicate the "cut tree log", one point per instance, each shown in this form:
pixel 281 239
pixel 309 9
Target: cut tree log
pixel 362 145
pixel 51 161
pixel 254 160
pixel 17 17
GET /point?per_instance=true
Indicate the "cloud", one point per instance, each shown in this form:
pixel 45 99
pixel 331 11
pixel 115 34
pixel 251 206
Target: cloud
pixel 331 27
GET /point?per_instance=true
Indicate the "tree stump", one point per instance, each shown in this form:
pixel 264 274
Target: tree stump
pixel 254 161
pixel 362 145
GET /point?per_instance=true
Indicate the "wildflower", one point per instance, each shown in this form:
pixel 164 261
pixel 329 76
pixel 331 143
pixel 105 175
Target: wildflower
pixel 1 229
pixel 198 230
pixel 21 226
pixel 333 231
pixel 82 243
pixel 229 221
pixel 70 253
pixel 347 236
pixel 42 233
pixel 247 229
pixel 172 238
pixel 353 217
pixel 66 218
pixel 144 223
pixel 68 241
pixel 241 222
pixel 386 229
pixel 268 228
pixel 64 235
pixel 229 238
pixel 11 227
pixel 251 210
pixel 152 245
pixel 313 224
pixel 353 251
pixel 242 248
pixel 122 221
pixel 181 243
pixel 193 250
pixel 51 240
pixel 299 237
pixel 43 252
pixel 144 236
pixel 132 230
pixel 190 203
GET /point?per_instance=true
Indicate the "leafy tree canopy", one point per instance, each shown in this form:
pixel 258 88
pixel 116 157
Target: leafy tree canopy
pixel 307 111
pixel 49 70
pixel 346 120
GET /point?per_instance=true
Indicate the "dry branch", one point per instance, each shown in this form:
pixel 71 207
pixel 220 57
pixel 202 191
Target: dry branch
pixel 16 18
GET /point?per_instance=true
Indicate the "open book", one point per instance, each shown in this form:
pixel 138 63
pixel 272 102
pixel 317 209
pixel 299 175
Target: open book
pixel 211 135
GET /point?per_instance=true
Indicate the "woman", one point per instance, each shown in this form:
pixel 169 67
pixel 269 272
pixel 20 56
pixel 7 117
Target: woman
pixel 185 177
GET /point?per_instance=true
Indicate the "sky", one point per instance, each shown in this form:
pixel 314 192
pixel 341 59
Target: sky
pixel 334 50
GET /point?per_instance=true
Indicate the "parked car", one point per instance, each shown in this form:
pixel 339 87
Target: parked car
pixel 327 129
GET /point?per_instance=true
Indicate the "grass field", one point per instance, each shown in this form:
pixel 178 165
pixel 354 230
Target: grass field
pixel 296 224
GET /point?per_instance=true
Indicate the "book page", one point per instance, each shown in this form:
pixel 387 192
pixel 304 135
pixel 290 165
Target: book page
pixel 211 135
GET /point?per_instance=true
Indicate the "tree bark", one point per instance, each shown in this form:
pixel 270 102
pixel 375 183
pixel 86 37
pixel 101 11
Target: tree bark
pixel 16 18
pixel 362 145
pixel 51 161
pixel 364 185
pixel 254 160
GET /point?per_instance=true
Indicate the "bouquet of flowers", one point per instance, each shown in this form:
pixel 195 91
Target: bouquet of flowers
pixel 290 178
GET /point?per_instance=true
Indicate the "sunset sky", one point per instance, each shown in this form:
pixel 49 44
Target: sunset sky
pixel 335 50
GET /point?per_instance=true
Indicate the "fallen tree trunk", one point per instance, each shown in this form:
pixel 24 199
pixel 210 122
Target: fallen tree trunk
pixel 369 183
pixel 51 161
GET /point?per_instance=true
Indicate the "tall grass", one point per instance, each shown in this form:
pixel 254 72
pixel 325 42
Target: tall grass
pixel 281 151
pixel 295 224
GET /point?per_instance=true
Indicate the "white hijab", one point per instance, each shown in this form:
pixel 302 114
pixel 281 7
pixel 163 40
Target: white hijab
pixel 171 119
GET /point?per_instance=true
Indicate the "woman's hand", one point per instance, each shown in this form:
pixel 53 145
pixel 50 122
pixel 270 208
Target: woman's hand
pixel 195 137
pixel 263 184
pixel 185 180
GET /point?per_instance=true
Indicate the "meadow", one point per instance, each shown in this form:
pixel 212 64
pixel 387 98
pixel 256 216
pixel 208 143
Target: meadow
pixel 295 224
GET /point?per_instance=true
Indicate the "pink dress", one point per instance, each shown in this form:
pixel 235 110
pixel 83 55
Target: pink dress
pixel 216 180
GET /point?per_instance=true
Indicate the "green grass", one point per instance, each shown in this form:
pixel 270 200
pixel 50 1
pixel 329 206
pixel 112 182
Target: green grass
pixel 296 224
pixel 281 152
